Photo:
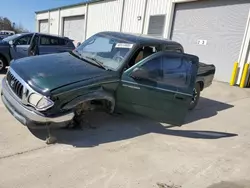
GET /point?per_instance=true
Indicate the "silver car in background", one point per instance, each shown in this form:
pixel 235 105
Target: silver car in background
pixel 29 44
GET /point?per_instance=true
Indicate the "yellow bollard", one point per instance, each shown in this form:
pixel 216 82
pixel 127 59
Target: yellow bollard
pixel 234 74
pixel 244 75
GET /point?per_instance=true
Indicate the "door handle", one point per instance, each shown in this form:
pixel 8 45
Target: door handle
pixel 178 97
pixel 25 50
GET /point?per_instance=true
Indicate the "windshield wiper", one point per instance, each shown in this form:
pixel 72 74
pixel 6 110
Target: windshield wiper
pixel 97 62
pixel 91 59
pixel 77 53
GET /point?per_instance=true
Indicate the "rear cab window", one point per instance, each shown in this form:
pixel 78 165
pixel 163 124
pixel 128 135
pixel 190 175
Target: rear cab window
pixel 173 48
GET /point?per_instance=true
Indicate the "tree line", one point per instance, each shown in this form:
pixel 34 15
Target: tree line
pixel 6 24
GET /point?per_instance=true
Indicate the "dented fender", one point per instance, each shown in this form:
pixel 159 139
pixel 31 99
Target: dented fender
pixel 97 95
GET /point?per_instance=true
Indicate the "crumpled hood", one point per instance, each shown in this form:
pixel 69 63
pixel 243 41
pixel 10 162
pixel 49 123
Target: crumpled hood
pixel 48 72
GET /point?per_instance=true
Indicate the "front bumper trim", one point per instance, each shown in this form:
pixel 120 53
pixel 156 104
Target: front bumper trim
pixel 23 114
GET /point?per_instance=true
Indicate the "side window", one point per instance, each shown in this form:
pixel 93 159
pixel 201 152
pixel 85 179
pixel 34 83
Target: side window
pixel 171 71
pixel 51 41
pixel 154 69
pixel 62 42
pixel 54 41
pixel 45 40
pixel 177 71
pixel 144 52
pixel 25 40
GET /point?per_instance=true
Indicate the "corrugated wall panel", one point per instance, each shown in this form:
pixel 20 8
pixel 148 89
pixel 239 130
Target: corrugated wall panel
pixel 133 9
pixel 154 7
pixel 221 24
pixel 104 16
pixel 54 22
pixel 42 16
pixel 73 11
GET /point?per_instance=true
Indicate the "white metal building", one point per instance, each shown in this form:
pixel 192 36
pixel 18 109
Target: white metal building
pixel 218 31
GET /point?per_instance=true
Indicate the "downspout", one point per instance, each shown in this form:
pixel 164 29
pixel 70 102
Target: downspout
pixel 59 21
pixel 123 4
pixel 49 22
pixel 86 21
pixel 144 16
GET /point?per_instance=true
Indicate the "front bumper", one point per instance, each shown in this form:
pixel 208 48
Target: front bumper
pixel 26 116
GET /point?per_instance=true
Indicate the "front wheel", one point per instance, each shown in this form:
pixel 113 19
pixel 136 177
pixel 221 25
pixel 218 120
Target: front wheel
pixel 196 96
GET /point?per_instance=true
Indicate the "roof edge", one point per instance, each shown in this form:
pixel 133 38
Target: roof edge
pixel 68 6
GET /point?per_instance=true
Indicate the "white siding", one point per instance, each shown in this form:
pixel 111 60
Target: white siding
pixel 104 16
pixel 54 22
pixel 73 11
pixel 42 16
pixel 154 7
pixel 133 9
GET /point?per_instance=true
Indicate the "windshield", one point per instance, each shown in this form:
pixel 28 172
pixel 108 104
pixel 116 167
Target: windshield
pixel 105 50
pixel 12 37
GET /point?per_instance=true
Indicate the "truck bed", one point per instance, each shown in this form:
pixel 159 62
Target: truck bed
pixel 205 74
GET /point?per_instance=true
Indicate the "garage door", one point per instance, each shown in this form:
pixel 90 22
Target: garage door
pixel 73 27
pixel 43 26
pixel 213 30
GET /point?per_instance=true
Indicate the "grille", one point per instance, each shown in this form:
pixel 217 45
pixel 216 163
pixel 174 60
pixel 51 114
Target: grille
pixel 15 85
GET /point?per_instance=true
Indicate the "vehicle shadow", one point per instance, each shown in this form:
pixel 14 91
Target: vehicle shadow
pixel 206 109
pixel 228 184
pixel 122 127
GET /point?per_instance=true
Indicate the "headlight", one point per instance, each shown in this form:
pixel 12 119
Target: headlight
pixel 40 102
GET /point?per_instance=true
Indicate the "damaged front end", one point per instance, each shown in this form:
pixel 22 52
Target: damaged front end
pixel 82 110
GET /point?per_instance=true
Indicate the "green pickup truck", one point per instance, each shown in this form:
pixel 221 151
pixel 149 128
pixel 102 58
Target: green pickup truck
pixel 116 72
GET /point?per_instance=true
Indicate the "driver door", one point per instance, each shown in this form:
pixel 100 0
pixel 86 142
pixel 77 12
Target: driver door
pixel 159 87
pixel 20 47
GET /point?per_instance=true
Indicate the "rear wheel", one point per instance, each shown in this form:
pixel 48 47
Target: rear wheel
pixel 2 64
pixel 196 96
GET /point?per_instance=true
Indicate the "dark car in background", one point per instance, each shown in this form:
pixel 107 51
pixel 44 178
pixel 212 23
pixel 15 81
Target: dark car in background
pixel 29 44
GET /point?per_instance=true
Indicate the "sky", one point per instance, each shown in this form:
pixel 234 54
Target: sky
pixel 23 11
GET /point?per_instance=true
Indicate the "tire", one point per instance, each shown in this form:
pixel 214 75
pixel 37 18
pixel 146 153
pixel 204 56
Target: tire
pixel 2 64
pixel 196 96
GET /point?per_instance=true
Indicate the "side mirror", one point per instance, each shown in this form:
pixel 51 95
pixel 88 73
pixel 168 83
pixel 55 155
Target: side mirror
pixel 11 43
pixel 139 74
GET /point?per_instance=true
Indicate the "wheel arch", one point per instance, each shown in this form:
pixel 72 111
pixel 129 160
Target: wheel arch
pixel 97 95
pixel 200 81
pixel 5 58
